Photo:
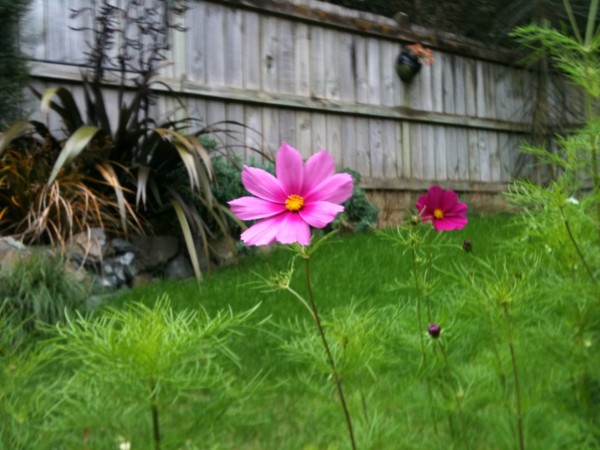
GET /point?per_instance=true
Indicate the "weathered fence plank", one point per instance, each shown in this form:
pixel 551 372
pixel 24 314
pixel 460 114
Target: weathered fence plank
pixel 388 147
pixel 269 61
pixel 233 48
pixel 215 40
pixel 251 51
pixel 195 44
pixel 441 169
pixel 334 137
pixel 348 139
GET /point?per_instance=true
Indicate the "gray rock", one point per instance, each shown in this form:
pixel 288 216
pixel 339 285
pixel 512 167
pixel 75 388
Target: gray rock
pixel 223 252
pixel 130 265
pixel 108 282
pixel 153 252
pixel 179 268
pixel 121 246
pixel 88 246
pixel 12 251
pixel 11 242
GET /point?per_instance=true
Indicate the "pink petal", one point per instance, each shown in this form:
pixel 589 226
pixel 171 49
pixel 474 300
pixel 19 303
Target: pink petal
pixel 289 169
pixel 336 189
pixel 320 214
pixel 293 229
pixel 458 209
pixel 251 208
pixel 263 232
pixel 449 199
pixel 435 198
pixel 448 224
pixel 263 185
pixel 318 167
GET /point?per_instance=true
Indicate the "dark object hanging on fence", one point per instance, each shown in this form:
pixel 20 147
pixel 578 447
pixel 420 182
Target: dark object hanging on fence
pixel 407 66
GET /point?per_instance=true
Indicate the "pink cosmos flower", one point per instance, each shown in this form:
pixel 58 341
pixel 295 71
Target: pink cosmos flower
pixel 299 197
pixel 443 209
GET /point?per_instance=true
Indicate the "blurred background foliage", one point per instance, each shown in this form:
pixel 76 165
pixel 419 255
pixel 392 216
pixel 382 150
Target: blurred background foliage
pixel 488 21
pixel 13 70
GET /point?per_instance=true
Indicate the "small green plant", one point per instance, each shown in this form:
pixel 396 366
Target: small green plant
pixel 155 377
pixel 25 403
pixel 38 290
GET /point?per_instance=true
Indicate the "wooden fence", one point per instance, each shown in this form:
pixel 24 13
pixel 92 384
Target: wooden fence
pixel 322 76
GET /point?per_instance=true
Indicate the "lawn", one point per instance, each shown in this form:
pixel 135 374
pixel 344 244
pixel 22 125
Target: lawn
pixel 261 381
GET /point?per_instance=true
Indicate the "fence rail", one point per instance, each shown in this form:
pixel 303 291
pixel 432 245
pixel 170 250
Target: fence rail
pixel 322 76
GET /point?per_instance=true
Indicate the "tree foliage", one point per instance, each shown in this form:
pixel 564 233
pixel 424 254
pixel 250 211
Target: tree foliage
pixel 488 21
pixel 13 72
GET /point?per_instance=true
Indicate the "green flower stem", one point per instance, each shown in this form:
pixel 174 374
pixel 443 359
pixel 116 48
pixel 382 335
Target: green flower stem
pixel 421 328
pixel 579 253
pixel 155 419
pixel 456 396
pixel 513 358
pixel 303 301
pixel 418 295
pixel 336 377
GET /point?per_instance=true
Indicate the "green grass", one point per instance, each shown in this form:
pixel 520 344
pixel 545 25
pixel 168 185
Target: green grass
pixel 354 269
pixel 283 396
pixel 359 270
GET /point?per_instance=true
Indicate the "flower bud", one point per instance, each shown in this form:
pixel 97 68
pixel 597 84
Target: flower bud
pixel 467 246
pixel 434 330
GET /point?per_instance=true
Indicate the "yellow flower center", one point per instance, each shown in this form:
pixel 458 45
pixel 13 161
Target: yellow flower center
pixel 294 203
pixel 437 213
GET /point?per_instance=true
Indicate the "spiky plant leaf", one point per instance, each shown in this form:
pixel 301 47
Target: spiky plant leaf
pixel 185 150
pixel 16 130
pixel 108 172
pixel 142 183
pixel 73 147
pixel 68 111
pixel 187 235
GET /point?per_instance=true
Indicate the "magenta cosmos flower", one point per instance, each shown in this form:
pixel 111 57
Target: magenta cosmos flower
pixel 443 209
pixel 301 196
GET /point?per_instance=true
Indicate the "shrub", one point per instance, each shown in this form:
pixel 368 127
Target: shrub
pixel 142 365
pixel 38 290
pixel 25 389
pixel 77 199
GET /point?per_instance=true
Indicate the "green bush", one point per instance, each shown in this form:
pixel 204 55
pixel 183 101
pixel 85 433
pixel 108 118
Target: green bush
pixel 149 374
pixel 38 290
